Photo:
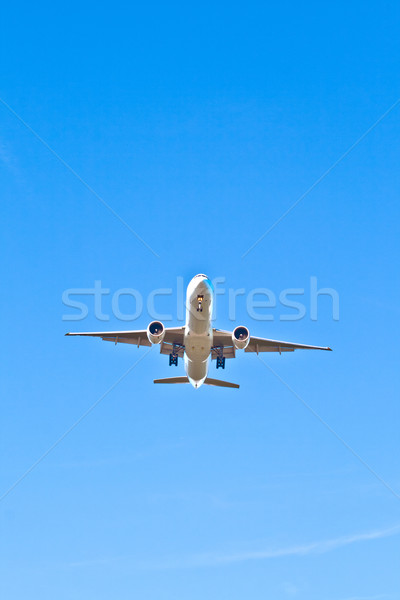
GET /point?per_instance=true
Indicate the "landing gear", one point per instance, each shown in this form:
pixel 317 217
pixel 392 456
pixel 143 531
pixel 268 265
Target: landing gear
pixel 220 357
pixel 173 359
pixel 221 362
pixel 199 303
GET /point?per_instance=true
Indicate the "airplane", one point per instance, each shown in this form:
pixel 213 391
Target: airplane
pixel 197 341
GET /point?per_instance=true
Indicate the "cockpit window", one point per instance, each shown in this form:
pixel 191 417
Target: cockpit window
pixel 201 275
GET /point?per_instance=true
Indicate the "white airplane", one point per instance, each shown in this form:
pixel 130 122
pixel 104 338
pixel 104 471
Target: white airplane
pixel 197 341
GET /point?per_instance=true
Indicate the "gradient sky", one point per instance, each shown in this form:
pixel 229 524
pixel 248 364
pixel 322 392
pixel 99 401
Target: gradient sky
pixel 200 125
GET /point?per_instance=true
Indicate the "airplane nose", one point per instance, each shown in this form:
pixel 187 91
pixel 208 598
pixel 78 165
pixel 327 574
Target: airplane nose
pixel 205 285
pixel 209 284
pixel 200 278
pixel 202 282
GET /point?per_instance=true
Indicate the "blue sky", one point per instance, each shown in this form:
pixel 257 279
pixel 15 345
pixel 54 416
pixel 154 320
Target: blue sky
pixel 200 126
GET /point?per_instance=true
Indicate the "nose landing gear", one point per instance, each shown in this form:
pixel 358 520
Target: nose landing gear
pixel 199 303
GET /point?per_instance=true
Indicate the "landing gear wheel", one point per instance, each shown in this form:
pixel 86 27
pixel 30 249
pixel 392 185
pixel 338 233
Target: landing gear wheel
pixel 173 359
pixel 200 300
pixel 221 362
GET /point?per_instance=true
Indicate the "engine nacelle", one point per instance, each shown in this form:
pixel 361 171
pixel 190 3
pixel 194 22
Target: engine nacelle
pixel 241 337
pixel 156 332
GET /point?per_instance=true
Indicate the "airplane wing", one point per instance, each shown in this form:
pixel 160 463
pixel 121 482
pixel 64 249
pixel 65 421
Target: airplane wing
pixel 173 335
pixel 222 342
pixel 264 345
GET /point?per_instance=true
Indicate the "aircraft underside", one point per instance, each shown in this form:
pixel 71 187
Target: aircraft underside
pixel 198 342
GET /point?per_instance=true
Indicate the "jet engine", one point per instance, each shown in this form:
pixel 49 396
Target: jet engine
pixel 240 337
pixel 156 332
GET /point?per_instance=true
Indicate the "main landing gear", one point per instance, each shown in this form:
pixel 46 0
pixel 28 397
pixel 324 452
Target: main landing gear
pixel 221 362
pixel 220 358
pixel 173 358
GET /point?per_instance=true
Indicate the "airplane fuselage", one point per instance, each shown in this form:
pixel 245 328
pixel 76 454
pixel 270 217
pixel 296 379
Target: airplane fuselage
pixel 198 329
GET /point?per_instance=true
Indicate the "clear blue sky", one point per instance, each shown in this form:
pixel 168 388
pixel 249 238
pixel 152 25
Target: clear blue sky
pixel 200 125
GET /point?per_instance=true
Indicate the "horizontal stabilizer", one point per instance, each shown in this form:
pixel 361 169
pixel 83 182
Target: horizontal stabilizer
pixel 220 383
pixel 172 380
pixel 208 381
